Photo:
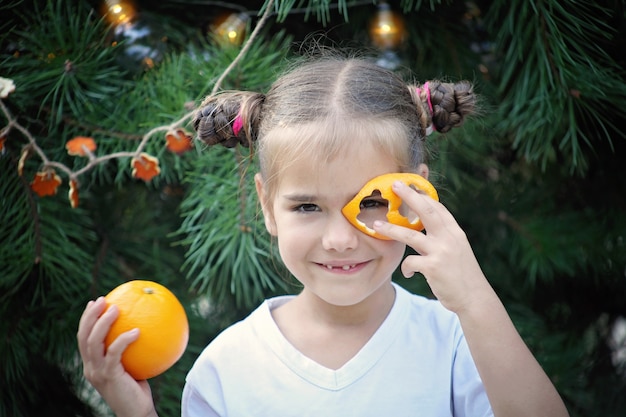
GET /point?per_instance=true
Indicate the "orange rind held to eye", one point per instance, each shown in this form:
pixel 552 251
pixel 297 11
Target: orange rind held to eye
pixel 383 184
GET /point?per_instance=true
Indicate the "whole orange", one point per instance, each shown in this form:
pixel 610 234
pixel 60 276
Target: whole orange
pixel 161 320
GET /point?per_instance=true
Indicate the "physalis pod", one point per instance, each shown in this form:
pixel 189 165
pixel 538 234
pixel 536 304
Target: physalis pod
pixel 179 141
pixel 145 167
pixel 377 201
pixel 45 183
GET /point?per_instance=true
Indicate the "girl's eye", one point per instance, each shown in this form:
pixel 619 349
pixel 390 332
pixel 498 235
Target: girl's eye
pixel 308 207
pixel 372 203
pixel 372 209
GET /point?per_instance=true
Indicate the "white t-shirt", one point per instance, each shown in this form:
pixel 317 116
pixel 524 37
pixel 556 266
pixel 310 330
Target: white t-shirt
pixel 416 364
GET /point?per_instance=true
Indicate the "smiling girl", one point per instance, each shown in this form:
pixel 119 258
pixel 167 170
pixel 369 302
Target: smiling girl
pixel 351 343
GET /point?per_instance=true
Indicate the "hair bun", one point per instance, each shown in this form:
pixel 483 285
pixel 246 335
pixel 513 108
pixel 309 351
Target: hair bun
pixel 451 103
pixel 215 126
pixel 229 118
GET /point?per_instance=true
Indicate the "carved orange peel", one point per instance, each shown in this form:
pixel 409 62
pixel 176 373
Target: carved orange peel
pixel 383 184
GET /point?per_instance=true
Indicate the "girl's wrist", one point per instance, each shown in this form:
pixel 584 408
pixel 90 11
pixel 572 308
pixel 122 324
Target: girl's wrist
pixel 480 303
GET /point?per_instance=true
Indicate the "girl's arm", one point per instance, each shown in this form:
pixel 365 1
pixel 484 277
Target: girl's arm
pixel 103 370
pixel 514 381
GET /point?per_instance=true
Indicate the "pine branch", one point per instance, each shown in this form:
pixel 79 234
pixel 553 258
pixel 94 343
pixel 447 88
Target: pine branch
pixel 226 254
pixel 557 82
pixel 94 161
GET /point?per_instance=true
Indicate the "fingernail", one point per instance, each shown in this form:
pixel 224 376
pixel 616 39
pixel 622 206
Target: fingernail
pixel 378 223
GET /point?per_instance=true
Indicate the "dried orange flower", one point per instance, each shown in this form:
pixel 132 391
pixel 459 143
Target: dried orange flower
pixel 80 146
pixel 179 141
pixel 73 193
pixel 145 167
pixel 45 183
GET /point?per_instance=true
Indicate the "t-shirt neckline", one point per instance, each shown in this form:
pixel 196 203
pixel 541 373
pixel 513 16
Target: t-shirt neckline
pixel 332 379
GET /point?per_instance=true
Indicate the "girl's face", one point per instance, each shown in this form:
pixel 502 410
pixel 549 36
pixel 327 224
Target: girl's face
pixel 331 258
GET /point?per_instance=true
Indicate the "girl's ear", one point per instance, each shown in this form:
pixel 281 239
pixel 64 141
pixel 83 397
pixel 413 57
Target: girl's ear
pixel 423 170
pixel 270 224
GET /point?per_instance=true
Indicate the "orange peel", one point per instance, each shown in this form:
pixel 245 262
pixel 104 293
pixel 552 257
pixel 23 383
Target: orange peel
pixel 80 146
pixel 145 167
pixel 383 184
pixel 45 183
pixel 179 141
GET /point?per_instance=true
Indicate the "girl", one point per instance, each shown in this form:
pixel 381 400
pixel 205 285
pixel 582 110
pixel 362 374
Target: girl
pixel 351 342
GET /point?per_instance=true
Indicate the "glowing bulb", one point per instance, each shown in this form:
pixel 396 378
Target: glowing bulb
pixel 118 11
pixel 232 29
pixel 387 29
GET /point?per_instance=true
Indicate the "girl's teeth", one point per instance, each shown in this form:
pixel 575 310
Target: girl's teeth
pixel 345 267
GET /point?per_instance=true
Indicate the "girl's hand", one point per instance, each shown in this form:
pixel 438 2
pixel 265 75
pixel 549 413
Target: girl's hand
pixel 445 256
pixel 103 369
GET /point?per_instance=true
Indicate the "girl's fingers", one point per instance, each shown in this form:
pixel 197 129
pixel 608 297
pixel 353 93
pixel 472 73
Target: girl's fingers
pixel 432 213
pixel 92 329
pixel 416 240
pixel 93 310
pixel 411 265
pixel 83 329
pixel 410 237
pixel 118 346
pixel 95 350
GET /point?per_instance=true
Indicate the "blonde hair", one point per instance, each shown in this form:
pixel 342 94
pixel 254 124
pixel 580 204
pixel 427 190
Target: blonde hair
pixel 325 106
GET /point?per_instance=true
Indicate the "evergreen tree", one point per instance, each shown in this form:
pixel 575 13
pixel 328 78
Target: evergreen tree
pixel 535 182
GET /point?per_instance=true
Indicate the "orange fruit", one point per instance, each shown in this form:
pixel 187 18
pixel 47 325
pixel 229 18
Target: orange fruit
pixel 396 212
pixel 161 319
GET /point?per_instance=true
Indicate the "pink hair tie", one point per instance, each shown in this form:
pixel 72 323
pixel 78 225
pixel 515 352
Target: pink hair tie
pixel 430 129
pixel 237 124
pixel 430 104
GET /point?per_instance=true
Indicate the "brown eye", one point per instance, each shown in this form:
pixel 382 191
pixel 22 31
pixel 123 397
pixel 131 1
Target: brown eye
pixel 371 203
pixel 306 207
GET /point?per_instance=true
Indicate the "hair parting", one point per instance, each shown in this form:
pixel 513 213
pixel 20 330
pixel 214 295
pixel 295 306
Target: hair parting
pixel 328 104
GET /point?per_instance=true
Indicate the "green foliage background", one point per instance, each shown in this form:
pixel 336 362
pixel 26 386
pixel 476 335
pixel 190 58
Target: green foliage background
pixel 537 181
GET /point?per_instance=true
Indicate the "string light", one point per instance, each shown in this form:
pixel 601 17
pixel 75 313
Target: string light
pixel 119 12
pixel 387 29
pixel 232 29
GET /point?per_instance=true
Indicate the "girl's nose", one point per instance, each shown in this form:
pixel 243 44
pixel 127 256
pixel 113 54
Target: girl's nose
pixel 339 235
